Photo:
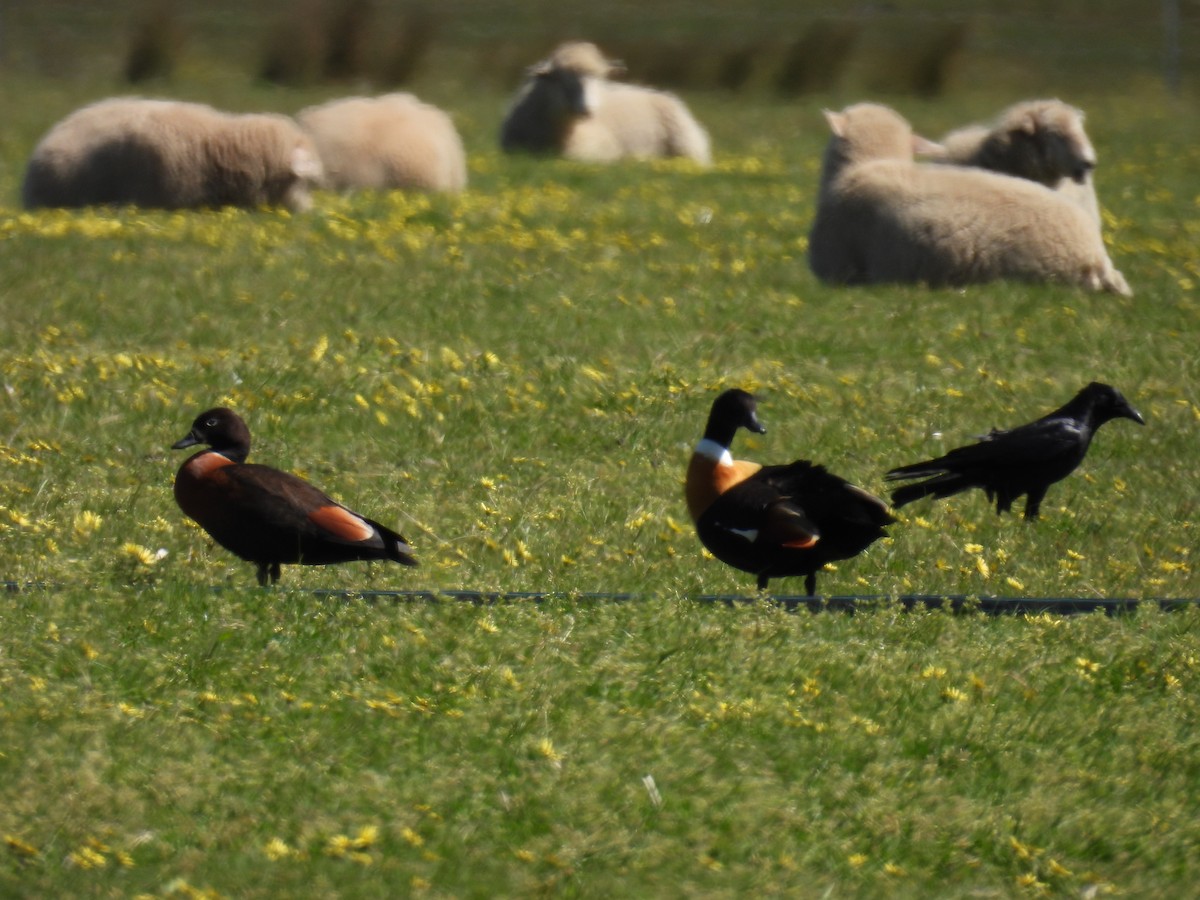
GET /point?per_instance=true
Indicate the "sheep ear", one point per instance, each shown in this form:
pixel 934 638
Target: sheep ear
pixel 925 147
pixel 616 68
pixel 1028 124
pixel 836 120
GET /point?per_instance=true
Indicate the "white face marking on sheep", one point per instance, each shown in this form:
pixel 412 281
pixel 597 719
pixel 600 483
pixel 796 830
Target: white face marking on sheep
pixel 305 164
pixel 593 89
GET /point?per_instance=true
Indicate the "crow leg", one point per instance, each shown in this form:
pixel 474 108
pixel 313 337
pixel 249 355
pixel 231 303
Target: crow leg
pixel 1033 503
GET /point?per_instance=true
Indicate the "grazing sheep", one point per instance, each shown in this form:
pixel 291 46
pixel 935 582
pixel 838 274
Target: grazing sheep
pixel 881 217
pixel 569 106
pixel 393 141
pixel 171 155
pixel 1040 140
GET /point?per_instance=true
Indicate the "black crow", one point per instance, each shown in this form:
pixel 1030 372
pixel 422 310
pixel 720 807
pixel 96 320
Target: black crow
pixel 1024 460
pixel 773 521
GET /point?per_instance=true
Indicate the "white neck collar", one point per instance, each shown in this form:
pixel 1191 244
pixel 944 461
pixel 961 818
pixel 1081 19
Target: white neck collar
pixel 710 449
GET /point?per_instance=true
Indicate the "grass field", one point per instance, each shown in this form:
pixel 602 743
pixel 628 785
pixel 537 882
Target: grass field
pixel 514 378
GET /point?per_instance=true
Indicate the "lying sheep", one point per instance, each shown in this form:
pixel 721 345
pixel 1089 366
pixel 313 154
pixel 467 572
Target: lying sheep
pixel 171 155
pixel 568 106
pixel 1040 140
pixel 393 141
pixel 881 217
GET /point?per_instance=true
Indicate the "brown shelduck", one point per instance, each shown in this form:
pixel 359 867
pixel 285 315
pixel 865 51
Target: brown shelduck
pixel 773 521
pixel 266 516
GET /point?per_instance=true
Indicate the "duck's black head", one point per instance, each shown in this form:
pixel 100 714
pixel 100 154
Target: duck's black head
pixel 223 430
pixel 732 410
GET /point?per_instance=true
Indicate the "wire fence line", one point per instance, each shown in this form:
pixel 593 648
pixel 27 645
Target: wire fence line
pixel 958 603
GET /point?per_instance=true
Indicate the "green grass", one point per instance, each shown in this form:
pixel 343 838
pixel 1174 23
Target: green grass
pixel 514 378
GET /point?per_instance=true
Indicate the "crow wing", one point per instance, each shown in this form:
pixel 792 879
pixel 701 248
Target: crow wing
pixel 1048 441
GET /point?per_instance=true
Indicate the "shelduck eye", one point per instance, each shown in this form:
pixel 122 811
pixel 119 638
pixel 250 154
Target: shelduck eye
pixel 210 423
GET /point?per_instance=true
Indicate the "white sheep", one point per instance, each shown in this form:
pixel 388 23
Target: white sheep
pixel 569 106
pixel 172 155
pixel 393 141
pixel 1040 140
pixel 881 217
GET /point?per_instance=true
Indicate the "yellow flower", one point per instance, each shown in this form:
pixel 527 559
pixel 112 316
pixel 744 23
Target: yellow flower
pixel 143 555
pixel 86 524
pixel 20 848
pixel 87 858
pixel 1056 868
pixel 545 748
pixel 277 849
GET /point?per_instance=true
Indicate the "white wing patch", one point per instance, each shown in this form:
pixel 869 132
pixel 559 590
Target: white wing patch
pixel 750 534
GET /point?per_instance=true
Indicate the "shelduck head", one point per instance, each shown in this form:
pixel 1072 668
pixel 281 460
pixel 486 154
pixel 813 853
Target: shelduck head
pixel 712 469
pixel 732 410
pixel 221 429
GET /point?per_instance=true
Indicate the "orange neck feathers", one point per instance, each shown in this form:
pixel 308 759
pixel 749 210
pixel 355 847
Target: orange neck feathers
pixel 711 472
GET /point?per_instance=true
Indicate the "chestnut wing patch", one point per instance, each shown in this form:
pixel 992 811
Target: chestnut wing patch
pixel 755 512
pixel 786 525
pixel 341 524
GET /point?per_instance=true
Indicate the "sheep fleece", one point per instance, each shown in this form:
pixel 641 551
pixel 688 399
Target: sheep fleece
pixel 172 155
pixel 1041 140
pixel 393 141
pixel 883 218
pixel 628 120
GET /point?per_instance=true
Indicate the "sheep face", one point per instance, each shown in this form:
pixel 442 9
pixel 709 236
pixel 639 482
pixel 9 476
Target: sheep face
pixel 566 93
pixel 1048 138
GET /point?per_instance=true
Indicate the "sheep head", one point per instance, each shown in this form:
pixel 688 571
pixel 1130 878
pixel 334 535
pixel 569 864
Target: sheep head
pixel 1048 138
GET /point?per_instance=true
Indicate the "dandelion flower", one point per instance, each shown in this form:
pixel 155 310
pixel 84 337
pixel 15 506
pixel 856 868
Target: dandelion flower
pixel 86 524
pixel 277 849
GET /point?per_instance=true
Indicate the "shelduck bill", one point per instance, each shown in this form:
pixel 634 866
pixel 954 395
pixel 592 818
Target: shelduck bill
pixel 266 516
pixel 773 521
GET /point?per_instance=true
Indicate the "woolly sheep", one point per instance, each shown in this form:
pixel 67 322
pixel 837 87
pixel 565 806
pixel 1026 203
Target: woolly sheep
pixel 1040 140
pixel 569 106
pixel 172 155
pixel 881 217
pixel 393 141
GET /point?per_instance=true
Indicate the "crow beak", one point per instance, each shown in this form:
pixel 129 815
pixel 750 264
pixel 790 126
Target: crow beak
pixel 1130 413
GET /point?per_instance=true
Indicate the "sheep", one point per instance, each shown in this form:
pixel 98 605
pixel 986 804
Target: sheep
pixel 172 155
pixel 393 141
pixel 881 217
pixel 569 106
pixel 1040 140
